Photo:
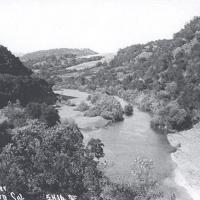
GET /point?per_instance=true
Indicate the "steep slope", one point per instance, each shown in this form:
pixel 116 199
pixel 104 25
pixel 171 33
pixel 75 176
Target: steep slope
pixel 17 82
pixel 9 64
pixel 171 70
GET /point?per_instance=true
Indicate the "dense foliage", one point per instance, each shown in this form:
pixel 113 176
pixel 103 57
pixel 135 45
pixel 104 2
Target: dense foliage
pixel 44 112
pixel 161 77
pixel 41 160
pixel 128 109
pixel 9 64
pixel 16 82
pixel 5 133
pixel 105 106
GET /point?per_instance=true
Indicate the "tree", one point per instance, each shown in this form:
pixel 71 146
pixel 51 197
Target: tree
pixel 128 109
pixel 5 134
pixel 95 148
pixel 44 112
pixel 83 106
pixel 43 160
pixel 50 115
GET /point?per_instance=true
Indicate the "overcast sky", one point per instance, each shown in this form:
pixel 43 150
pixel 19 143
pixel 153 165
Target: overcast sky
pixel 102 25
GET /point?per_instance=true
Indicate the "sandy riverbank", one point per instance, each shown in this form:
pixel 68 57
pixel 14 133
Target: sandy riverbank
pixel 187 160
pixel 70 113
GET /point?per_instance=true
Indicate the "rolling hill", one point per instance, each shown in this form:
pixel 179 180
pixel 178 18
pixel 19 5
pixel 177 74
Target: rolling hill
pixel 56 52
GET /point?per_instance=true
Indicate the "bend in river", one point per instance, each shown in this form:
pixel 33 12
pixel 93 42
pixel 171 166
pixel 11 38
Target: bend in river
pixel 125 141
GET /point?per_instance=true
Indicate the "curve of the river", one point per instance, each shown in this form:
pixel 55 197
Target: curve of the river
pixel 125 141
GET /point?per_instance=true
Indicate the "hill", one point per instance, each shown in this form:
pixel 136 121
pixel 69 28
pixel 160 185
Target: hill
pixel 56 52
pixel 18 82
pixel 9 64
pixel 162 77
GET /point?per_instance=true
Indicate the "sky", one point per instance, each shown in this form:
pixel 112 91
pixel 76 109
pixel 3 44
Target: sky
pixel 101 25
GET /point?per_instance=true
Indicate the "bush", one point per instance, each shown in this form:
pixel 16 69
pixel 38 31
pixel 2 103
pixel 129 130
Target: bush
pixel 107 115
pixel 15 114
pixel 170 118
pixel 95 98
pixel 44 160
pixel 92 112
pixel 49 115
pixel 117 115
pixel 110 108
pixel 43 112
pixel 89 97
pixel 82 107
pixel 128 110
pixel 26 89
pixel 158 124
pixel 106 106
pixel 34 110
pixel 95 148
pixel 145 185
pixel 5 134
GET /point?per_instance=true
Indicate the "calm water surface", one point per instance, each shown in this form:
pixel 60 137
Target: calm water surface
pixel 132 138
pixel 127 140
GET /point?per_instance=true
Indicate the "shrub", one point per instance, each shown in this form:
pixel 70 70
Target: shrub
pixel 171 117
pixel 106 106
pixel 117 115
pixel 95 148
pixel 5 134
pixel 158 124
pixel 89 97
pixel 44 112
pixel 82 107
pixel 49 115
pixel 34 110
pixel 107 115
pixel 179 119
pixel 145 185
pixel 19 87
pixel 128 109
pixel 95 98
pixel 93 112
pixel 110 107
pixel 15 114
pixel 44 160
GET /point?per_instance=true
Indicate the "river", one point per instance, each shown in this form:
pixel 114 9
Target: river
pixel 125 141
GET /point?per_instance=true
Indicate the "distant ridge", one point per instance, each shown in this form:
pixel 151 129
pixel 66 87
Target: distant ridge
pixel 55 52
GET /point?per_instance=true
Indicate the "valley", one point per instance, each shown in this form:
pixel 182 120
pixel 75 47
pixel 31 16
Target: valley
pixel 105 126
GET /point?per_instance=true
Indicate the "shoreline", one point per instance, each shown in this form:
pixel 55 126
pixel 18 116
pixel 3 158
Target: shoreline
pixel 185 191
pixel 181 181
pixel 187 160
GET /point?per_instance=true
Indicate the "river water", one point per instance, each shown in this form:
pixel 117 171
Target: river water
pixel 125 141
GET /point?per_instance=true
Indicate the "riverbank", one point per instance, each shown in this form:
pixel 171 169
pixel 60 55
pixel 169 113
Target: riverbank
pixel 70 113
pixel 187 160
pixel 125 141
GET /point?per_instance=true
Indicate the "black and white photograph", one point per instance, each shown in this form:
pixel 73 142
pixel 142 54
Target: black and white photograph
pixel 99 99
